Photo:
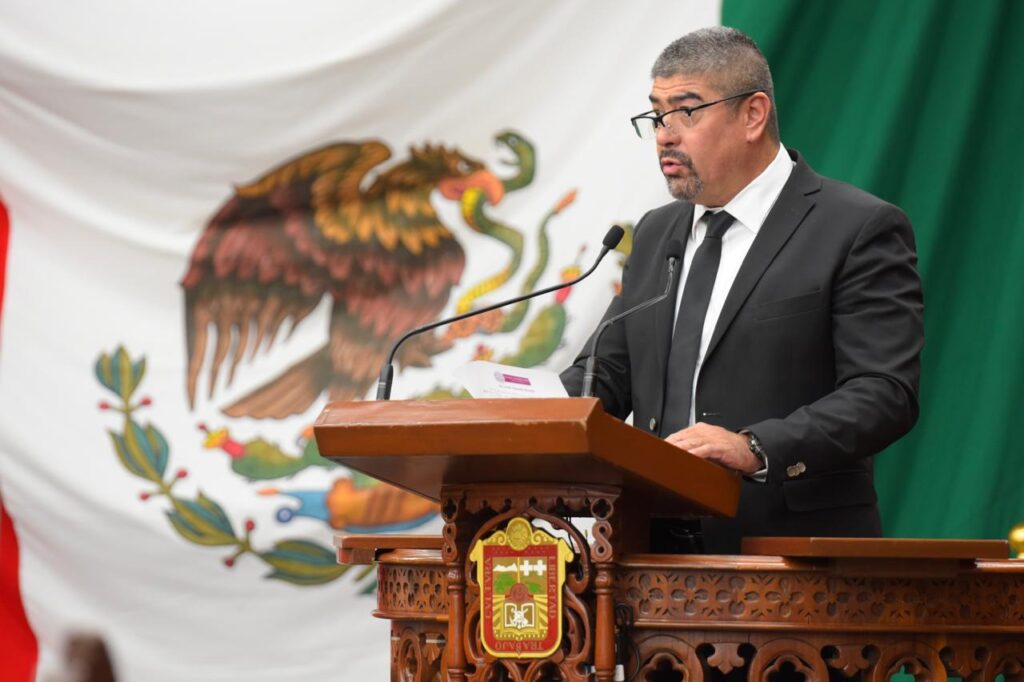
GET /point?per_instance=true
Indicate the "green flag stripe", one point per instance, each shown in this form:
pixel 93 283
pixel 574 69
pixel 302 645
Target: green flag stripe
pixel 920 103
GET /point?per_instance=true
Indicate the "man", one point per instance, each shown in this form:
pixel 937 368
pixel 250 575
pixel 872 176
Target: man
pixel 791 353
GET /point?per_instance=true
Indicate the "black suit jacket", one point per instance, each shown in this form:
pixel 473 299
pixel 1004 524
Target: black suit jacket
pixel 816 352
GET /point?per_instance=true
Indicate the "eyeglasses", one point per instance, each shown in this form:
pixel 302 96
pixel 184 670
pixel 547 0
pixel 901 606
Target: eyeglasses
pixel 647 124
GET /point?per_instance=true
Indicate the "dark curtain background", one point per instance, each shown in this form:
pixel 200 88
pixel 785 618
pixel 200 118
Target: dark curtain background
pixel 922 104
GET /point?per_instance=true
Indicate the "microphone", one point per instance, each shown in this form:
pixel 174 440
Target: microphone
pixel 387 372
pixel 673 252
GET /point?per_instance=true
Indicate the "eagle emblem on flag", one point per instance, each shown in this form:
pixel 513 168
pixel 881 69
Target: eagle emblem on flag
pixel 521 571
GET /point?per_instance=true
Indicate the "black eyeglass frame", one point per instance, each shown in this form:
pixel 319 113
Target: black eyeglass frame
pixel 658 120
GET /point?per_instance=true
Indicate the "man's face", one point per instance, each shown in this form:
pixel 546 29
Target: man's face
pixel 696 160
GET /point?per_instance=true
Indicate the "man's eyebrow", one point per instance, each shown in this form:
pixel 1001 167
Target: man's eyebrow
pixel 679 97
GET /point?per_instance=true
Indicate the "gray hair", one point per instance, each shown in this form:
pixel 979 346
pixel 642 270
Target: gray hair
pixel 728 58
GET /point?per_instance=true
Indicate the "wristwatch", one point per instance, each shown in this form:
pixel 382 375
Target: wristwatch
pixel 755 447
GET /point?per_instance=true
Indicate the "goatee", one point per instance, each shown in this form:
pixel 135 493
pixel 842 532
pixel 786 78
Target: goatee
pixel 687 187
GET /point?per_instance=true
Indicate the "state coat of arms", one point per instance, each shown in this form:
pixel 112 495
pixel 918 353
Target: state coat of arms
pixel 521 571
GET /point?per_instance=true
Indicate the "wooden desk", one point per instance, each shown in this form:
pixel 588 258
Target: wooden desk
pixel 860 609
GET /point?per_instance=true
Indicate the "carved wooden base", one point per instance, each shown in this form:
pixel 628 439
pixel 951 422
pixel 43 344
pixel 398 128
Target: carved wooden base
pixel 417 651
pixel 745 618
pixel 665 655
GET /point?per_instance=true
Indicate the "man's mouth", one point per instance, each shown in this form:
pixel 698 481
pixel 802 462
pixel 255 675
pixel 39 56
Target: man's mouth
pixel 672 166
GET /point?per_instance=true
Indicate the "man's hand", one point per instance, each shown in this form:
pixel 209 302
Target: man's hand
pixel 718 445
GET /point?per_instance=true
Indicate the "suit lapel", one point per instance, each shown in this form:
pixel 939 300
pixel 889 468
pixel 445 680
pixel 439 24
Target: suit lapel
pixel 665 314
pixel 792 206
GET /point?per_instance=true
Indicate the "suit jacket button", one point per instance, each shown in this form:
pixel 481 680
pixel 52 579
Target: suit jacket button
pixel 795 470
pixel 653 424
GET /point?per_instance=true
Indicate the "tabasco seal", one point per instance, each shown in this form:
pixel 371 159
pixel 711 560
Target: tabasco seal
pixel 521 571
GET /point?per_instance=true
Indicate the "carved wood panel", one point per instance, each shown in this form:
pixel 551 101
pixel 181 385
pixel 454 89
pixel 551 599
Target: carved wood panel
pixel 695 656
pixel 417 652
pixel 405 592
pixel 683 596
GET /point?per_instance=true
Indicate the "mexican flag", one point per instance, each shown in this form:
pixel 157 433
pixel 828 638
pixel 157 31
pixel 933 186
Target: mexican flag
pixel 220 217
pixel 215 219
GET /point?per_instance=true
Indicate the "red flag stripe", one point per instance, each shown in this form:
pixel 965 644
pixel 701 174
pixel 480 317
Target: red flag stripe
pixel 18 646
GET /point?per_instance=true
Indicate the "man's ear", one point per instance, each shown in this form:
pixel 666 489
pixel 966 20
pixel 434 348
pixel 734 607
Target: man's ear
pixel 756 112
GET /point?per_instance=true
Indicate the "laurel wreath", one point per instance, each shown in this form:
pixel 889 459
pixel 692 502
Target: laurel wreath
pixel 145 453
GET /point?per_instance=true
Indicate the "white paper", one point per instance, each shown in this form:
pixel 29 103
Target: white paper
pixel 491 380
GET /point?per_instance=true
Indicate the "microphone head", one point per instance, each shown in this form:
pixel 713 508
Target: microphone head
pixel 674 250
pixel 613 237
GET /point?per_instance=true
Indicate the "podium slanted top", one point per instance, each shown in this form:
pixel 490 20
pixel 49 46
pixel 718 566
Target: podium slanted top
pixel 420 445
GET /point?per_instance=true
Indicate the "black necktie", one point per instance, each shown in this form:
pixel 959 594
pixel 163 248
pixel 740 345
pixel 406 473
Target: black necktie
pixel 682 359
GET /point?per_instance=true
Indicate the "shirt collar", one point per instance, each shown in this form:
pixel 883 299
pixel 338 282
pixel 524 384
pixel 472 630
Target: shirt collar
pixel 751 205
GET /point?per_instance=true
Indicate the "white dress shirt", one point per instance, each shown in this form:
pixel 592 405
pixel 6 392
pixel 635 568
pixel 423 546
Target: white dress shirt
pixel 749 207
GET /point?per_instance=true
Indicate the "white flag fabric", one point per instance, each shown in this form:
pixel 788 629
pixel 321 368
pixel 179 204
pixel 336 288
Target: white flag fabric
pixel 221 215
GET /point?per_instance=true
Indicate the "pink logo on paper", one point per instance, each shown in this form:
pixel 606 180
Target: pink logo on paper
pixel 511 379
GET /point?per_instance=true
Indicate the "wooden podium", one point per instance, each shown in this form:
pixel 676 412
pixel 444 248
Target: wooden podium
pixel 824 608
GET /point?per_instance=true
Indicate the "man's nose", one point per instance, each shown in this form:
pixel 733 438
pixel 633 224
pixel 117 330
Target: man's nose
pixel 665 136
